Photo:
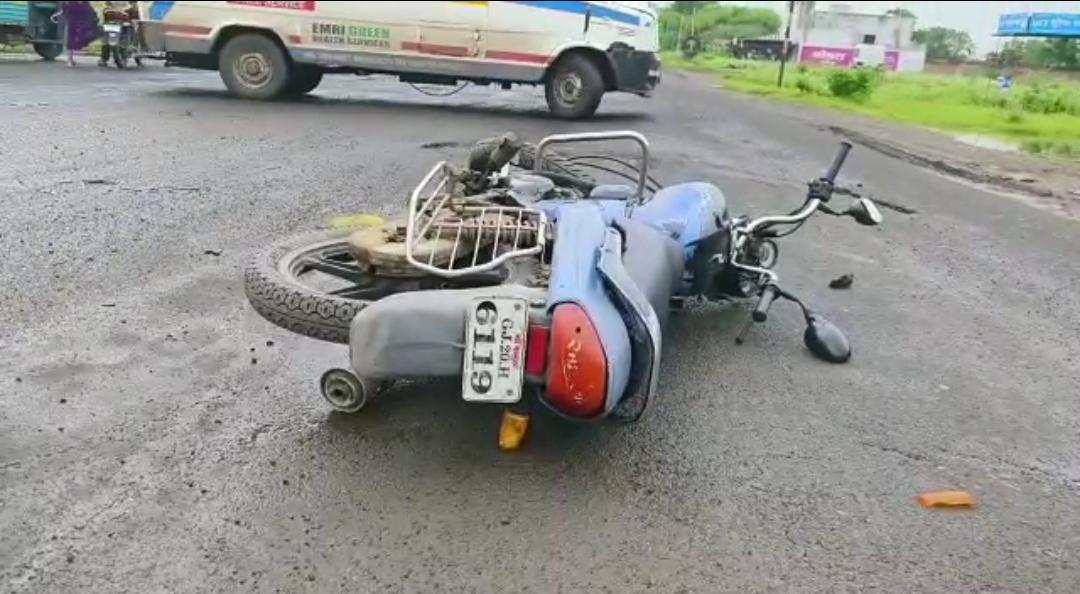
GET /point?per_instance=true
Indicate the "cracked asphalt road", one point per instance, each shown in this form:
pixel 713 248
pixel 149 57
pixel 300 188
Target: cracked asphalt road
pixel 156 435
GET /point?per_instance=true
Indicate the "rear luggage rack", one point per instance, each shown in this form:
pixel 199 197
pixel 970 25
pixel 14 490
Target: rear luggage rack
pixel 642 170
pixel 451 235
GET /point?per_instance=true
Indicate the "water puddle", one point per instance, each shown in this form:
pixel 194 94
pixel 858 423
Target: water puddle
pixel 987 142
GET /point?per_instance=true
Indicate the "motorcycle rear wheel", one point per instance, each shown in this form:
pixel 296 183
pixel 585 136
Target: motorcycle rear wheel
pixel 281 287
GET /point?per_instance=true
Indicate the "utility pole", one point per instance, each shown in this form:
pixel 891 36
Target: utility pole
pixel 787 42
pixel 678 36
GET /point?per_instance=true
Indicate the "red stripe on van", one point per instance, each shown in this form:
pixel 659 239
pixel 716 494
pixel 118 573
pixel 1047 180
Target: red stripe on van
pixel 518 57
pixel 294 39
pixel 456 51
pixel 186 29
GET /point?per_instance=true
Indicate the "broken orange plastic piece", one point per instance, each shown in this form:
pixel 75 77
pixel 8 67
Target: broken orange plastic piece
pixel 947 499
pixel 512 430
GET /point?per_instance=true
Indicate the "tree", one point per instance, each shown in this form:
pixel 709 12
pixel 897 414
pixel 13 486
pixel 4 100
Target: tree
pixel 1012 54
pixel 944 44
pixel 1055 53
pixel 900 12
pixel 688 6
pixel 713 24
pixel 1062 54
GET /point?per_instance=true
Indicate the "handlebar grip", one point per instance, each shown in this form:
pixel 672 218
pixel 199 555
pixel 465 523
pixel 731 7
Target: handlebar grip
pixel 838 161
pixel 761 311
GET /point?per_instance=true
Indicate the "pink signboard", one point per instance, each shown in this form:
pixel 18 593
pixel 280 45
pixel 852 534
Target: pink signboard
pixel 892 59
pixel 843 57
pixel 836 56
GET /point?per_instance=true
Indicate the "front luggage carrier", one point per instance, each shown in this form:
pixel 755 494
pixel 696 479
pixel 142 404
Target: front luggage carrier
pixel 452 235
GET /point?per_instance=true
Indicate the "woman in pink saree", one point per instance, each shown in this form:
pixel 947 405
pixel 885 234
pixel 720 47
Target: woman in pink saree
pixel 80 22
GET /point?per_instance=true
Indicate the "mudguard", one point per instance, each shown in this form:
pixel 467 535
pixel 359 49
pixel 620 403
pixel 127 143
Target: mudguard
pixel 640 316
pixel 582 229
pixel 419 334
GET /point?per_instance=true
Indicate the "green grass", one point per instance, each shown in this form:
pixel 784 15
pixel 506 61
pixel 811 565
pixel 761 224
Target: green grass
pixel 1038 116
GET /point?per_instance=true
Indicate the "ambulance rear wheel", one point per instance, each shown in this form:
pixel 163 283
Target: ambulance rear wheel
pixel 48 51
pixel 254 66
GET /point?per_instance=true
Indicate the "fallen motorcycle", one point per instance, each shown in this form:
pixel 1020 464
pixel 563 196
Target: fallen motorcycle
pixel 532 282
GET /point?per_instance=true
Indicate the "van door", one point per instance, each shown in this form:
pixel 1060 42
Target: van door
pixel 530 33
pixel 445 28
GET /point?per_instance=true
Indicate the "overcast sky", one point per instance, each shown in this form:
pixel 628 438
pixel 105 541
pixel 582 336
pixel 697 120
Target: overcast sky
pixel 977 18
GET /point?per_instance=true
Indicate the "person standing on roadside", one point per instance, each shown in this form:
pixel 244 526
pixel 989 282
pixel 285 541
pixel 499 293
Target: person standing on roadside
pixel 80 23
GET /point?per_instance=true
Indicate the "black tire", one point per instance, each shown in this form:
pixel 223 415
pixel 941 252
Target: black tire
pixel 304 80
pixel 48 51
pixel 120 57
pixel 254 66
pixel 574 87
pixel 297 308
pixel 526 159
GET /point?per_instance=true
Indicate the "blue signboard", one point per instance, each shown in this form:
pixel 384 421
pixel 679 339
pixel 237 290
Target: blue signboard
pixel 1054 24
pixel 1013 24
pixel 1039 24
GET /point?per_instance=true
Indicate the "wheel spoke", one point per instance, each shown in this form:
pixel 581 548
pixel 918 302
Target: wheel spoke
pixel 343 270
pixel 365 293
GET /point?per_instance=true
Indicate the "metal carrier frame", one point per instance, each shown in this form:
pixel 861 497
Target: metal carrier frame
pixel 436 214
pixel 513 232
pixel 643 170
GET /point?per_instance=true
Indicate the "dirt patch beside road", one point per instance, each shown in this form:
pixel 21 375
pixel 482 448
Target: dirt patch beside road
pixel 1049 183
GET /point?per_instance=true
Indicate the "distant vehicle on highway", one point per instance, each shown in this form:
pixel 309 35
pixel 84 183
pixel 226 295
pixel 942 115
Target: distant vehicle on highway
pixel 271 50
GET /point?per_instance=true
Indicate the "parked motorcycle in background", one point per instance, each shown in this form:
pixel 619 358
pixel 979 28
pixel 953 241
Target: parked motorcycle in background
pixel 119 40
pixel 533 283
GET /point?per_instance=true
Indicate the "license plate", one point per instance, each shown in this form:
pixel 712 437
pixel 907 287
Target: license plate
pixel 494 363
pixel 112 28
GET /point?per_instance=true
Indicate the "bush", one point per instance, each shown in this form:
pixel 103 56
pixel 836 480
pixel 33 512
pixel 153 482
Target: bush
pixel 857 83
pixel 805 85
pixel 1036 147
pixel 1065 150
pixel 1048 100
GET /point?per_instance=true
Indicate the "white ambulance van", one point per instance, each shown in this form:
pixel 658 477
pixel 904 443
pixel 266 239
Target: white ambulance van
pixel 271 50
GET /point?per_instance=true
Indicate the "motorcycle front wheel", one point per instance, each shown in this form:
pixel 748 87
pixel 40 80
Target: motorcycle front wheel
pixel 313 285
pixel 120 56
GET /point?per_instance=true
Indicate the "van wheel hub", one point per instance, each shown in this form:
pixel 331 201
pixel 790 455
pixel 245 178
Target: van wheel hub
pixel 254 70
pixel 569 88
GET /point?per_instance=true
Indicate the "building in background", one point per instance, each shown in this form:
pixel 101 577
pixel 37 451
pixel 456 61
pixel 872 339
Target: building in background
pixel 843 37
pixel 978 19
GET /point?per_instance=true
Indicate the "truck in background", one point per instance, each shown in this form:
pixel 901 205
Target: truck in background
pixel 31 22
pixel 281 49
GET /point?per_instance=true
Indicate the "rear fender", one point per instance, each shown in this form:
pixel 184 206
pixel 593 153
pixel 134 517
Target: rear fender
pixel 421 334
pixel 581 232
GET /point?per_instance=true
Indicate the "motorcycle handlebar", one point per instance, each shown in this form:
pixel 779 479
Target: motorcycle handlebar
pixel 813 200
pixel 761 311
pixel 838 161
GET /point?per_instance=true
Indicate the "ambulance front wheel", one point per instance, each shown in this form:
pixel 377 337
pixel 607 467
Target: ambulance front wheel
pixel 574 87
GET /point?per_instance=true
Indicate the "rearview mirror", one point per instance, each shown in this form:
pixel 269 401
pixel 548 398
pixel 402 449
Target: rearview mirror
pixel 825 340
pixel 865 212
